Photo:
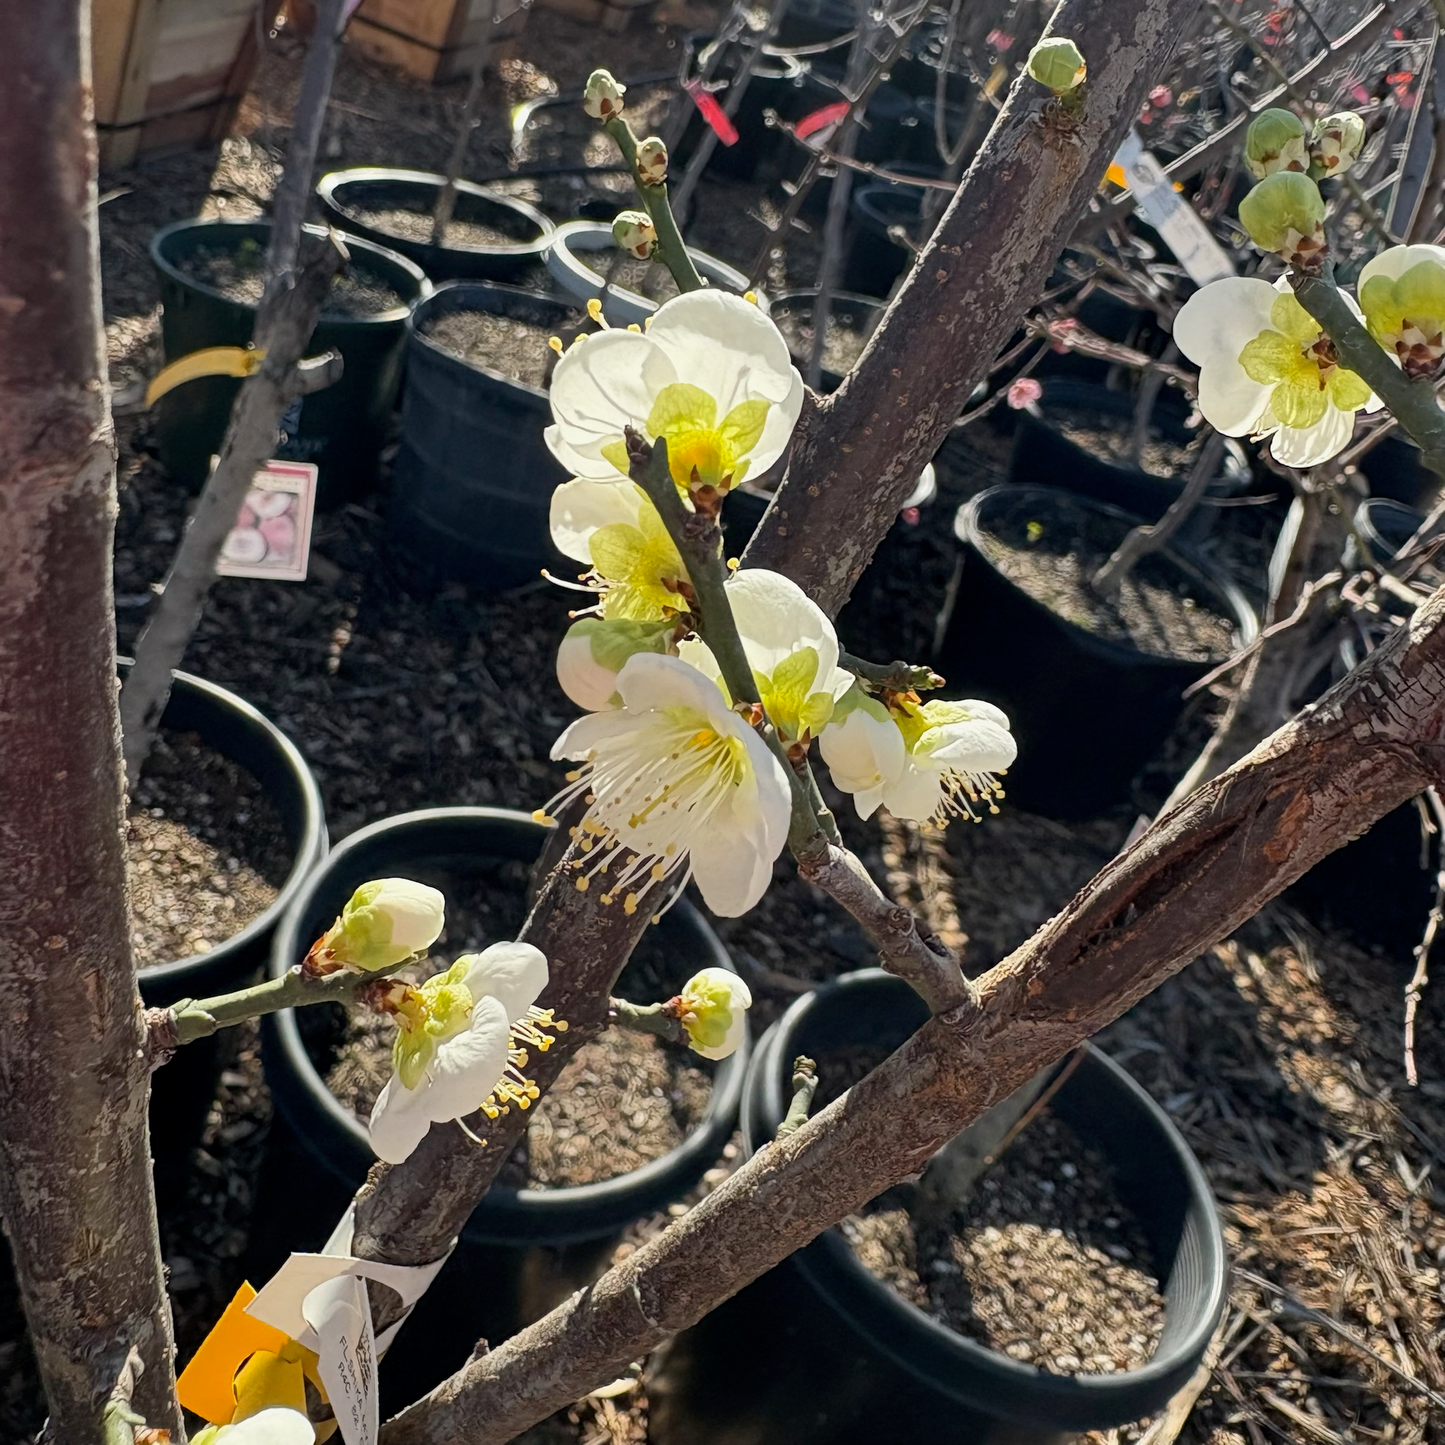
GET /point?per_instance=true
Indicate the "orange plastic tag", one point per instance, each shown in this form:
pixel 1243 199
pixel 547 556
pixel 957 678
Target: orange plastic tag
pixel 207 1385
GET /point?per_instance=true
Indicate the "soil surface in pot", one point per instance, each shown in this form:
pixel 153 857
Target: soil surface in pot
pixel 1053 557
pixel 239 274
pixel 416 226
pixel 1113 441
pixel 848 334
pixel 623 1100
pixel 512 345
pixel 206 851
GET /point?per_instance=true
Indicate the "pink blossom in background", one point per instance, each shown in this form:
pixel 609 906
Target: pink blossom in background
pixel 1024 392
pixel 1000 40
pixel 1161 96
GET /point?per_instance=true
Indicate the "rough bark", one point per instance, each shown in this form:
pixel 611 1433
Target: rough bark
pixel 1375 740
pixel 990 256
pixel 75 1183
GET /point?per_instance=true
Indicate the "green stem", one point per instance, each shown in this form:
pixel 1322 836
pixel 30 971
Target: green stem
pixel 199 1018
pixel 1412 401
pixel 649 1018
pixel 896 676
pixel 805 1085
pixel 670 246
pixel 699 542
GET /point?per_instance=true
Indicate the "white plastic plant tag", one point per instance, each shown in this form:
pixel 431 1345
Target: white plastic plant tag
pixel 272 535
pixel 280 1304
pixel 1171 214
pixel 340 1317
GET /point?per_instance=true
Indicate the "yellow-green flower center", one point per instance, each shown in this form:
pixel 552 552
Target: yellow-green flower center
pixel 707 1012
pixel 639 568
pixel 427 1016
pixel 1299 364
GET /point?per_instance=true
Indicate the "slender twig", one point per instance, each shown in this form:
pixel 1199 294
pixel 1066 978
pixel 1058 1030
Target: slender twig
pixel 671 249
pixel 650 1018
pixel 895 676
pixel 1415 989
pixel 805 1085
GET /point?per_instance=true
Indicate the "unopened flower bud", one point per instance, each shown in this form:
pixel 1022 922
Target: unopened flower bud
pixel 385 922
pixel 593 653
pixel 651 161
pixel 1285 213
pixel 602 99
pixel 713 1011
pixel 1275 141
pixel 1336 144
pixel 1058 64
pixel 635 233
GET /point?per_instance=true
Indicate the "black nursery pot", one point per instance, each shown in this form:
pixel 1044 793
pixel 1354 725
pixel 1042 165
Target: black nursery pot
pixel 860 312
pixel 473 479
pixel 348 196
pixel 1042 454
pixel 1088 712
pixel 522 1251
pixel 1394 469
pixel 820 1352
pixel 341 428
pixel 874 260
pixel 181 1093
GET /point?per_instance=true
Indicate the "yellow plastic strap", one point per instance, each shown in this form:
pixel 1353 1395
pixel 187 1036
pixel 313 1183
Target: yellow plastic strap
pixel 207 1386
pixel 210 361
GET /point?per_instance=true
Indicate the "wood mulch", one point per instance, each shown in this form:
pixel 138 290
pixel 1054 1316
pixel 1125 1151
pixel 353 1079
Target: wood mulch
pixel 1278 1054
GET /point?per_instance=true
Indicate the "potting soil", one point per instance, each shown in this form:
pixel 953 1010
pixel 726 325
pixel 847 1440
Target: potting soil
pixel 416 226
pixel 1159 456
pixel 1043 1263
pixel 644 278
pixel 206 851
pixel 512 345
pixel 239 274
pixel 1157 608
pixel 843 345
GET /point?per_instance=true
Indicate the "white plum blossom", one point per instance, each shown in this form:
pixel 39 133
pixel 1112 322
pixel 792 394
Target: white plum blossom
pixel 595 649
pixel 711 373
pixel 791 648
pixel 713 1011
pixel 1266 369
pixel 863 749
pixel 675 777
pixel 1402 293
pixel 384 923
pixel 459 1045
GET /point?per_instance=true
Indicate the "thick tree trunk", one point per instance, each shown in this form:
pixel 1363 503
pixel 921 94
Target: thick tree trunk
pixel 1375 740
pixel 989 258
pixel 75 1185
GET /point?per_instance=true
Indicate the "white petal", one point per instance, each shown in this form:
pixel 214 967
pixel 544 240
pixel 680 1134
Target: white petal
pixel 649 682
pixel 275 1425
pixel 584 504
pixel 915 793
pixel 1219 318
pixel 774 797
pixel 580 738
pixel 1230 402
pixel 980 746
pixel 1309 446
pixel 398 1122
pixel 867 801
pixel 731 871
pixel 732 1040
pixel 1393 262
pixel 512 973
pixel 724 345
pixel 696 653
pixel 599 386
pixel 465 1069
pixel 862 752
pixel 775 617
pixel 582 677
pixel 778 427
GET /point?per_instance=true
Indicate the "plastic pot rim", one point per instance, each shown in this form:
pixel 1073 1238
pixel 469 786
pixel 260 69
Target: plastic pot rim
pixel 234 225
pixel 308 855
pixel 579 280
pixel 424 307
pixel 506 1214
pixel 967 529
pixel 335 181
pixel 1165 1372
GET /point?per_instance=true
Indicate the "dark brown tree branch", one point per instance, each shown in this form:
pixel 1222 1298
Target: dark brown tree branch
pixel 75 1178
pixel 989 259
pixel 1374 741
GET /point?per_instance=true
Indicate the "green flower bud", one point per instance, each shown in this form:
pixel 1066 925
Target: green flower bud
pixel 713 1011
pixel 1275 141
pixel 385 922
pixel 1058 64
pixel 651 161
pixel 602 99
pixel 1285 213
pixel 594 651
pixel 1336 145
pixel 635 233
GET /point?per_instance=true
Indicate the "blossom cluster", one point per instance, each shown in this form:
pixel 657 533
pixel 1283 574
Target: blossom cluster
pixel 675 775
pixel 1266 367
